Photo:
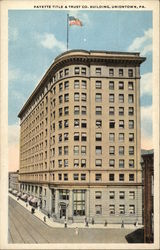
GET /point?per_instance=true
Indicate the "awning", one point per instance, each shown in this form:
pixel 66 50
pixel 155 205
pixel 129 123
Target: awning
pixel 30 198
pixel 14 192
pixel 34 200
pixel 19 194
pixel 24 196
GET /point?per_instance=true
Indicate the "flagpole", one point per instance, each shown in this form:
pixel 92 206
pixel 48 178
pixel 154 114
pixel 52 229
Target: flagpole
pixel 67 31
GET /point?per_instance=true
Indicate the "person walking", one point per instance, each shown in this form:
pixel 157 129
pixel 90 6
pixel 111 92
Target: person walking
pixel 76 231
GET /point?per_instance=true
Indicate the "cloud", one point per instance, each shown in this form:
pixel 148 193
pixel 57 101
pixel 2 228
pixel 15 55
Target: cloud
pixel 146 127
pixel 142 43
pixel 13 134
pixel 146 84
pixel 15 74
pixel 49 41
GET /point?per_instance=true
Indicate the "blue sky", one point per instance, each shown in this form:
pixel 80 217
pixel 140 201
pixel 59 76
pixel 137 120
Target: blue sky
pixel 36 37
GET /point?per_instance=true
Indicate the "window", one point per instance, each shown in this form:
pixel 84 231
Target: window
pixel 111 150
pixel 66 72
pixel 131 150
pixel 66 85
pixel 83 71
pixel 60 86
pixel 121 150
pixel 59 177
pixel 98 150
pixel 111 137
pixel 76 97
pixel 111 97
pixel 66 97
pixel 98 71
pixel 83 110
pixel 98 124
pixel 98 84
pixel 65 150
pixel 98 97
pixel 112 163
pixel 131 137
pixel 131 124
pixel 84 97
pixel 66 124
pixel 66 110
pixel 83 137
pixel 98 177
pixel 131 177
pixel 79 202
pixel 59 163
pixel 111 124
pixel 66 163
pixel 76 71
pixel 121 163
pixel 60 124
pixel 111 195
pixel 83 177
pixel 98 195
pixel 131 111
pixel 120 72
pixel 61 74
pixel 130 98
pixel 111 177
pixel 121 98
pixel 121 137
pixel 98 136
pixel 60 150
pixel 130 72
pixel 76 177
pixel 121 110
pixel 76 150
pixel 83 123
pixel 83 150
pixel 122 209
pixel 60 99
pixel 98 163
pixel 130 86
pixel 131 195
pixel 121 85
pixel 121 177
pixel 121 123
pixel 60 112
pixel 131 163
pixel 111 72
pixel 76 136
pixel 131 209
pixel 76 110
pixel 98 209
pixel 112 209
pixel 76 123
pixel 84 84
pixel 111 85
pixel 98 110
pixel 76 84
pixel 111 110
pixel 121 195
pixel 65 177
pixel 59 137
pixel 83 163
pixel 63 194
pixel 76 163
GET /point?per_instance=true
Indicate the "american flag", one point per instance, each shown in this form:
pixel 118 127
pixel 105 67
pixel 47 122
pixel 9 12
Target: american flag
pixel 74 21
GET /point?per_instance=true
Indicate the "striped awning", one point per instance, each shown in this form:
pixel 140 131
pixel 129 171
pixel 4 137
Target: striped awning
pixel 30 198
pixel 34 200
pixel 14 192
pixel 24 196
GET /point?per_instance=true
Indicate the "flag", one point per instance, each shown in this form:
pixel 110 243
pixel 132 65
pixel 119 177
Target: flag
pixel 74 21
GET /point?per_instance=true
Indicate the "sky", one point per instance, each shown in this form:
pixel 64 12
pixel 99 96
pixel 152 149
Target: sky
pixel 36 37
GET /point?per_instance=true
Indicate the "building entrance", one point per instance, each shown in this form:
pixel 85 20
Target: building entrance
pixel 62 210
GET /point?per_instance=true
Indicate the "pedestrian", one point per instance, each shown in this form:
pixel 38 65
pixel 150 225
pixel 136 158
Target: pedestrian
pixel 48 215
pixel 44 218
pixel 92 221
pixel 87 223
pixel 65 223
pixel 105 223
pixel 122 225
pixel 76 231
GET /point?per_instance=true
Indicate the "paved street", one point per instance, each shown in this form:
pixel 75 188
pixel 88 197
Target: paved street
pixel 27 228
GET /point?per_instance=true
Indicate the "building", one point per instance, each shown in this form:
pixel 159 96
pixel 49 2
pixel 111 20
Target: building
pixel 148 194
pixel 13 181
pixel 80 138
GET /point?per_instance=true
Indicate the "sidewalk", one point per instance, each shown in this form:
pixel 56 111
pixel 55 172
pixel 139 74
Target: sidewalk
pixel 51 223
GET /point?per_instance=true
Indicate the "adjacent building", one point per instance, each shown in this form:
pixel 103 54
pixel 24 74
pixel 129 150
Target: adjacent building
pixel 13 183
pixel 80 138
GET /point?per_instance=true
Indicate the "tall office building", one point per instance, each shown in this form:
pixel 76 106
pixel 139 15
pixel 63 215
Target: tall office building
pixel 80 138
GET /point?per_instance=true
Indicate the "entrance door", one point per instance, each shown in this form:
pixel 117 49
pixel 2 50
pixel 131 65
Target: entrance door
pixel 63 211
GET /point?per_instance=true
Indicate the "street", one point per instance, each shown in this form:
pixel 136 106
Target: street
pixel 26 228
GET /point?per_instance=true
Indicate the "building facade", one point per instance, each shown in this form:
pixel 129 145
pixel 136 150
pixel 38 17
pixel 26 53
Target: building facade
pixel 13 180
pixel 80 138
pixel 148 194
